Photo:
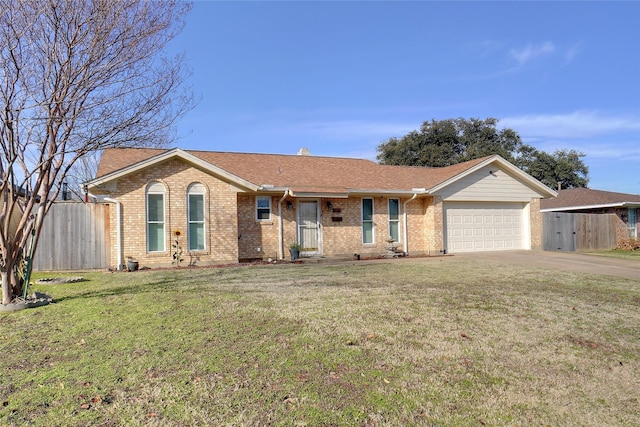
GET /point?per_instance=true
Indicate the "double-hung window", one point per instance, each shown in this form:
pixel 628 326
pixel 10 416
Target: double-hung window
pixel 633 226
pixel 263 208
pixel 196 217
pixel 367 221
pixel 155 217
pixel 394 219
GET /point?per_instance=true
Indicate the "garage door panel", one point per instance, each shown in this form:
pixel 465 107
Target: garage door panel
pixel 483 226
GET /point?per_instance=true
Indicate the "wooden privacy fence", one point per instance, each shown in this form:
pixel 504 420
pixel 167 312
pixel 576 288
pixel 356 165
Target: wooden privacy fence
pixel 578 231
pixel 75 236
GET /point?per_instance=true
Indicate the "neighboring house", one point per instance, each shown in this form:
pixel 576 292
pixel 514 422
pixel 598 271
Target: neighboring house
pixel 584 200
pixel 230 207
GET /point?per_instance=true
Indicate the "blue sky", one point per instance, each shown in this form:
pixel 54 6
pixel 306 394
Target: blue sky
pixel 339 78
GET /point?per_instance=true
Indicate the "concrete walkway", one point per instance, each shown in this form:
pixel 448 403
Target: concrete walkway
pixel 566 261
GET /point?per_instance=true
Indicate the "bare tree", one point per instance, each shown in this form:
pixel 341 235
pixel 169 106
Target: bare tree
pixel 83 170
pixel 76 76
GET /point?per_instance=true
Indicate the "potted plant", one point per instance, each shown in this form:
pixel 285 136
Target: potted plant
pixel 294 251
pixel 132 264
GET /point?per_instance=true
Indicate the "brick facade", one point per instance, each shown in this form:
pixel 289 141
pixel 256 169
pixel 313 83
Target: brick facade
pixel 340 231
pixel 221 244
pixel 233 233
pixel 536 224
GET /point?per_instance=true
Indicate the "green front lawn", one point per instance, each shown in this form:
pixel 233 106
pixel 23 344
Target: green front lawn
pixel 435 341
pixel 619 253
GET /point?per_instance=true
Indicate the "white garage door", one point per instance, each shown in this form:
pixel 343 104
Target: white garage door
pixel 473 227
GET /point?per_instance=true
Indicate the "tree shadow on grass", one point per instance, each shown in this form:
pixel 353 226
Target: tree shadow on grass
pixel 168 285
pixel 200 281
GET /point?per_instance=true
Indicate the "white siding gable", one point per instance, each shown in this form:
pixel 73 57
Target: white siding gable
pixel 482 185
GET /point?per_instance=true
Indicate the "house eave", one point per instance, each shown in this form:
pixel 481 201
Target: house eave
pixel 586 207
pixel 356 192
pixel 419 191
pixel 95 184
pixel 318 194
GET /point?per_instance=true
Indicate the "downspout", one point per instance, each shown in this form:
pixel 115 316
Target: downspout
pixel 406 223
pixel 280 231
pixel 118 231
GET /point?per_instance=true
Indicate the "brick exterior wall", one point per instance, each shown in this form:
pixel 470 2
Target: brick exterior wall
pixel 434 225
pixel 220 211
pixel 536 224
pixel 259 239
pixel 344 237
pixel 417 228
pixel 233 233
pixel 340 231
pixel 341 227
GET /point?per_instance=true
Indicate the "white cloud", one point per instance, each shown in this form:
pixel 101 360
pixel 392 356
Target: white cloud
pixel 531 51
pixel 572 52
pixel 631 151
pixel 599 136
pixel 579 124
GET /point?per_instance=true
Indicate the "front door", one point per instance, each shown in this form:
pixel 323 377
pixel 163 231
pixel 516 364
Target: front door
pixel 308 227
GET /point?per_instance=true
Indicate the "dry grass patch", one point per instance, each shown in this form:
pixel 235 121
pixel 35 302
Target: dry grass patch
pixel 439 341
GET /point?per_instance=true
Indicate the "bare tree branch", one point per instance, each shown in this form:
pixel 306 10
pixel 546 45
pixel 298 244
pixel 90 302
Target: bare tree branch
pixel 77 76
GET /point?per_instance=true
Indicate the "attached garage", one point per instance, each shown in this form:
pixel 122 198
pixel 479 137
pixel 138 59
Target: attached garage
pixel 490 209
pixel 482 226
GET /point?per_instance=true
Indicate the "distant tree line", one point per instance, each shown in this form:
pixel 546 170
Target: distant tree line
pixel 447 142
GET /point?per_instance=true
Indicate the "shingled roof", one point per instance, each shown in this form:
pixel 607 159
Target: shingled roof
pixel 300 173
pixel 586 198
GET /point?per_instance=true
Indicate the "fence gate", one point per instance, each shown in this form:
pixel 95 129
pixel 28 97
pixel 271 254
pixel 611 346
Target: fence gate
pixel 75 236
pixel 578 232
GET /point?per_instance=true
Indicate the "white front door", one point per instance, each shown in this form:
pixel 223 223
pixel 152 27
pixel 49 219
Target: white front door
pixel 309 227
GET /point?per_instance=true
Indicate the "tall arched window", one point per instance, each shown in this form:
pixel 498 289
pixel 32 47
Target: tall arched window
pixel 155 217
pixel 195 202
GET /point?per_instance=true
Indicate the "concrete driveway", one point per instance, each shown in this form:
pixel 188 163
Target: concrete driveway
pixel 567 261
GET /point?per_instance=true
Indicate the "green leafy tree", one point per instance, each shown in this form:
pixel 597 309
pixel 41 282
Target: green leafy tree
pixel 447 142
pixel 563 168
pixel 451 141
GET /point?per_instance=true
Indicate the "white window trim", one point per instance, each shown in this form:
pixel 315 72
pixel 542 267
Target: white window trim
pixel 162 192
pixel 270 209
pixel 397 220
pixel 633 227
pixel 363 221
pixel 197 192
